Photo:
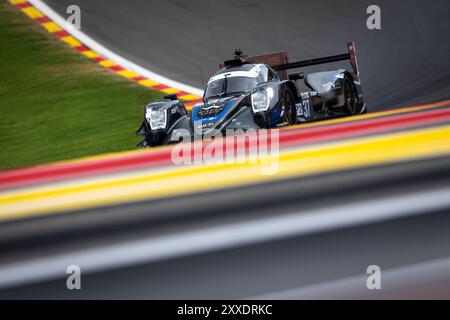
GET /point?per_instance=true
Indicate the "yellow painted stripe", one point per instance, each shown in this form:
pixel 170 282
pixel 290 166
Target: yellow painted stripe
pixel 71 41
pixel 107 63
pixel 168 182
pixel 32 12
pixel 170 90
pixel 127 74
pixel 17 1
pixel 51 27
pixel 148 83
pixel 90 54
pixel 189 97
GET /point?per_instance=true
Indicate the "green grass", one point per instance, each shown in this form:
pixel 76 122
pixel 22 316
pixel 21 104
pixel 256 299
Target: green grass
pixel 55 104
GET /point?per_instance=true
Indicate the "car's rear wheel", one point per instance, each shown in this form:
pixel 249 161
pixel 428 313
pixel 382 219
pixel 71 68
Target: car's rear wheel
pixel 350 96
pixel 289 106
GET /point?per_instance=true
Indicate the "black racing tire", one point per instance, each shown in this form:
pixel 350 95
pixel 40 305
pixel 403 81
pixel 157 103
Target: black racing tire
pixel 351 97
pixel 289 106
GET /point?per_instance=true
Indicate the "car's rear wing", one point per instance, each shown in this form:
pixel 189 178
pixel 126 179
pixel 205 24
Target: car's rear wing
pixel 270 59
pixel 279 61
pixel 351 55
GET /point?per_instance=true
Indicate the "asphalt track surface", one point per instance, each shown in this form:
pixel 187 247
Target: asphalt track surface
pixel 403 64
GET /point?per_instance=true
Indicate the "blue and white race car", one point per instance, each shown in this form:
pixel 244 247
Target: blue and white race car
pixel 257 92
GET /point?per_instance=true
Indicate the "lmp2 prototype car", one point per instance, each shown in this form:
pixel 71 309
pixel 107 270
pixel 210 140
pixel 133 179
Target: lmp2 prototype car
pixel 256 92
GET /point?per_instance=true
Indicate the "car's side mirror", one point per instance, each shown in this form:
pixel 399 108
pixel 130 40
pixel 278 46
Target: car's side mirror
pixel 296 76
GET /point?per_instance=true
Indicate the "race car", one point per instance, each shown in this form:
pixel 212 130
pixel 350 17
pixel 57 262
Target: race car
pixel 257 92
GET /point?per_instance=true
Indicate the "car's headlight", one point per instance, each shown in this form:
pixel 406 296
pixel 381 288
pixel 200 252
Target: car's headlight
pixel 157 118
pixel 261 99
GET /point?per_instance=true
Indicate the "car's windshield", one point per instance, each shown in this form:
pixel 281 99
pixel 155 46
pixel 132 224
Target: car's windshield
pixel 229 85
